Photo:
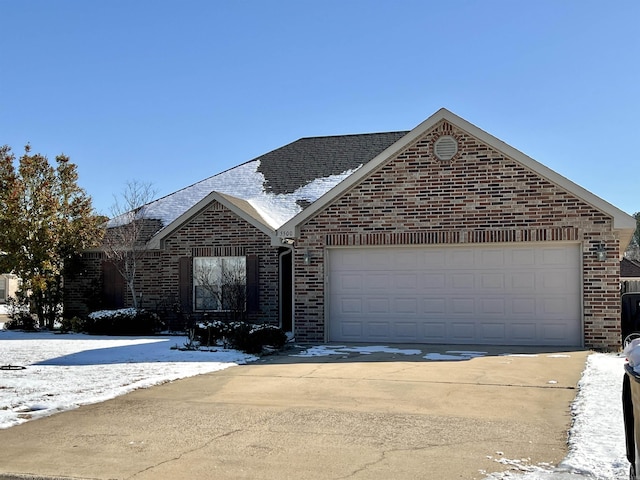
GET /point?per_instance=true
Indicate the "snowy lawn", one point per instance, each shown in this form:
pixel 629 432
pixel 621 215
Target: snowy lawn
pixel 64 371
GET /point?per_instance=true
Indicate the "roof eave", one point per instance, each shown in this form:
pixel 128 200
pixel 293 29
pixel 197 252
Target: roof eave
pixel 157 242
pixel 623 223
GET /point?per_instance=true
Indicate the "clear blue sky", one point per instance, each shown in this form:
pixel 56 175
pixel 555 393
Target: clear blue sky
pixel 171 92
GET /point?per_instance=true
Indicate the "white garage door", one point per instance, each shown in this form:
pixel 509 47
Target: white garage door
pixel 500 295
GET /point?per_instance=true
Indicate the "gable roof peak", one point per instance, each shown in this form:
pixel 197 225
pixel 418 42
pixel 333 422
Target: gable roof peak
pixel 622 222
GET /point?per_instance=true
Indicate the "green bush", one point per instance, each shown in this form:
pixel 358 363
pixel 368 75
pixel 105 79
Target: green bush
pixel 237 335
pixel 126 321
pixel 268 336
pixel 253 338
pixel 210 333
pixel 21 321
pixel 74 324
pixel 20 317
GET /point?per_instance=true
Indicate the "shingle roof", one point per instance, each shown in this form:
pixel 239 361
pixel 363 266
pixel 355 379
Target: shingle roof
pixel 290 167
pixel 280 183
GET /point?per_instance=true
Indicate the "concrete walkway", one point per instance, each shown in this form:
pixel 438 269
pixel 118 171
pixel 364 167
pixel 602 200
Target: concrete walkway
pixel 379 416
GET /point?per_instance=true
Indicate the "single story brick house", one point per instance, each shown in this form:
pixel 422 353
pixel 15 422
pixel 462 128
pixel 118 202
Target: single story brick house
pixel 442 234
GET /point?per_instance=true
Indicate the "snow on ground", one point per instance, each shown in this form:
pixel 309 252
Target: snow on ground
pixel 64 371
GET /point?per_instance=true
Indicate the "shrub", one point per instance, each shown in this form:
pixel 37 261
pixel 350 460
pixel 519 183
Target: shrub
pixel 126 321
pixel 237 335
pixel 253 338
pixel 210 333
pixel 74 324
pixel 20 317
pixel 21 322
pixel 268 336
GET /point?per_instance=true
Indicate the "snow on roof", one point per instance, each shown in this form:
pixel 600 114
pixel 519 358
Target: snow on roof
pixel 246 182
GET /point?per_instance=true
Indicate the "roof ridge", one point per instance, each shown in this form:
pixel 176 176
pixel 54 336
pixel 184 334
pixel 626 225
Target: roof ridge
pixel 391 132
pixel 396 132
pixel 202 181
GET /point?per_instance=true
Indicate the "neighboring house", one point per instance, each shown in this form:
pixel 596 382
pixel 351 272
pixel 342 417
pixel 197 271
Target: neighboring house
pixel 629 275
pixel 443 234
pixel 9 284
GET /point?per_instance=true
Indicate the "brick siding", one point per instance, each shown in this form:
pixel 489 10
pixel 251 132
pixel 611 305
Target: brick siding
pixel 480 196
pixel 215 231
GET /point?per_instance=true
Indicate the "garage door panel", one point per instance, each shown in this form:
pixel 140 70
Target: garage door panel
pixel 406 259
pixel 490 259
pixel 349 306
pixel 554 332
pixel 493 306
pixel 434 331
pixel 432 306
pixel 432 281
pixel 462 332
pixel 378 330
pixel 378 261
pixel 523 333
pixel 432 258
pixel 461 305
pixel 462 281
pixel 350 260
pixel 406 281
pixel 406 331
pixel 523 281
pixel 554 257
pixel 351 282
pixel 460 258
pixel 523 306
pixel 520 295
pixel 522 257
pixel 494 332
pixel 377 305
pixel 376 281
pixel 492 281
pixel 405 306
pixel 351 330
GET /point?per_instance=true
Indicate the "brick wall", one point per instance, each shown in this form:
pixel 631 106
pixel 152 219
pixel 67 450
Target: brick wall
pixel 213 232
pixel 480 196
pixel 218 232
pixel 82 284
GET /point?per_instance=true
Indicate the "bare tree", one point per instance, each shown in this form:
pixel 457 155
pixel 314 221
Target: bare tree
pixel 128 231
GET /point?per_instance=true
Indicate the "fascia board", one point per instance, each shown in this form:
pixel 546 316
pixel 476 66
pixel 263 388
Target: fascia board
pixel 232 202
pixel 157 241
pixel 622 221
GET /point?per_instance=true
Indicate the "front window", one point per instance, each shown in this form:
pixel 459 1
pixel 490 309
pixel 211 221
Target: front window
pixel 220 283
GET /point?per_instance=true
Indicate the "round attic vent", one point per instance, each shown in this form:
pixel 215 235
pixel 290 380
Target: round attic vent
pixel 445 147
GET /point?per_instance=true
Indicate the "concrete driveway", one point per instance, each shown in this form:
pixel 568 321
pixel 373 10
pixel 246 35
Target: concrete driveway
pixel 344 416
